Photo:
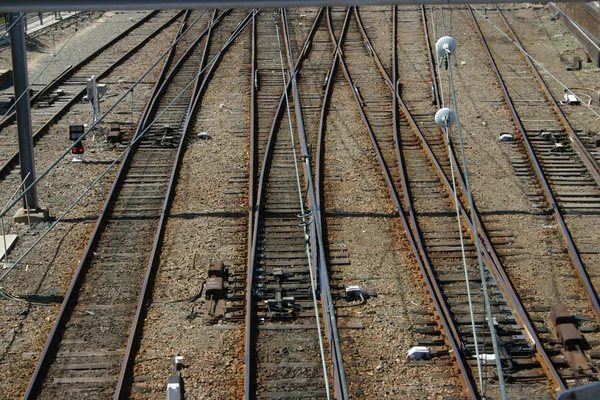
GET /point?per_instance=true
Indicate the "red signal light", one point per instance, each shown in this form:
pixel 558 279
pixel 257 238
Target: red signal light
pixel 77 150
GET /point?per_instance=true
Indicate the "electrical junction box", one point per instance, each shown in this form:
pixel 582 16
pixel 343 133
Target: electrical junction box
pixel 419 353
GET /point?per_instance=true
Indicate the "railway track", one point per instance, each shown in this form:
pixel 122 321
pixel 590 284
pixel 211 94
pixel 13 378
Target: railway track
pixel 565 190
pixel 85 350
pixel 292 301
pixel 440 250
pixel 287 355
pixel 57 97
pixel 376 111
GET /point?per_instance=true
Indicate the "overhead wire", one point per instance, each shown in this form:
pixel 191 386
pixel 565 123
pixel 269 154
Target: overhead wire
pixel 446 130
pixel 482 272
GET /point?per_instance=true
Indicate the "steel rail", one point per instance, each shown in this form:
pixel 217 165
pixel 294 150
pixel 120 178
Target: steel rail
pixel 253 136
pixel 248 338
pixel 96 5
pixel 465 375
pixel 10 118
pixel 77 280
pixel 198 91
pixel 258 208
pixel 490 257
pixel 8 166
pixel 318 245
pixel 590 162
pixel 548 194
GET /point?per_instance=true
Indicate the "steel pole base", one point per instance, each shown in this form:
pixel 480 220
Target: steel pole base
pixel 26 216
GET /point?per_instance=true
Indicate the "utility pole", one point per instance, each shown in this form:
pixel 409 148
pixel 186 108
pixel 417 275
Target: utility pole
pixel 30 210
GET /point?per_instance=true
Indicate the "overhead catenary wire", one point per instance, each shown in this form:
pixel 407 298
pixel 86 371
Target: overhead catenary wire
pixel 446 129
pixel 303 213
pixel 464 258
pixel 106 170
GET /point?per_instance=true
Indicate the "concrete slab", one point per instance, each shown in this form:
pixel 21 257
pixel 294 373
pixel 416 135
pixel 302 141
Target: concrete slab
pixel 24 216
pixel 10 243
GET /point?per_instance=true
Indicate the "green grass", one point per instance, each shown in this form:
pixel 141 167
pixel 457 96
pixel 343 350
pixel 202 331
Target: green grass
pixel 2 19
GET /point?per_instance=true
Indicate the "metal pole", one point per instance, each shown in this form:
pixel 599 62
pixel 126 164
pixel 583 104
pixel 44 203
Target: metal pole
pixel 19 62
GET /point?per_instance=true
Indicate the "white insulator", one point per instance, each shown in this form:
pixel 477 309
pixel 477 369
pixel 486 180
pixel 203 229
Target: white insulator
pixel 445 45
pixel 445 117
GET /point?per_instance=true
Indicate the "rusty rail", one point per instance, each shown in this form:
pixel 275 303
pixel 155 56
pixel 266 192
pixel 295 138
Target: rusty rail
pixel 416 244
pixel 77 281
pixel 589 161
pixel 569 243
pixel 7 167
pixel 257 199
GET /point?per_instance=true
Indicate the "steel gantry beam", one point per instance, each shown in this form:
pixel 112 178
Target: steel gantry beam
pixel 103 5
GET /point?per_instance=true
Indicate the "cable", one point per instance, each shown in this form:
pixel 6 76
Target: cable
pixel 41 72
pixel 446 58
pixel 93 126
pixel 566 88
pixel 129 146
pixel 482 273
pixel 95 182
pixel 464 257
pixel 303 213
